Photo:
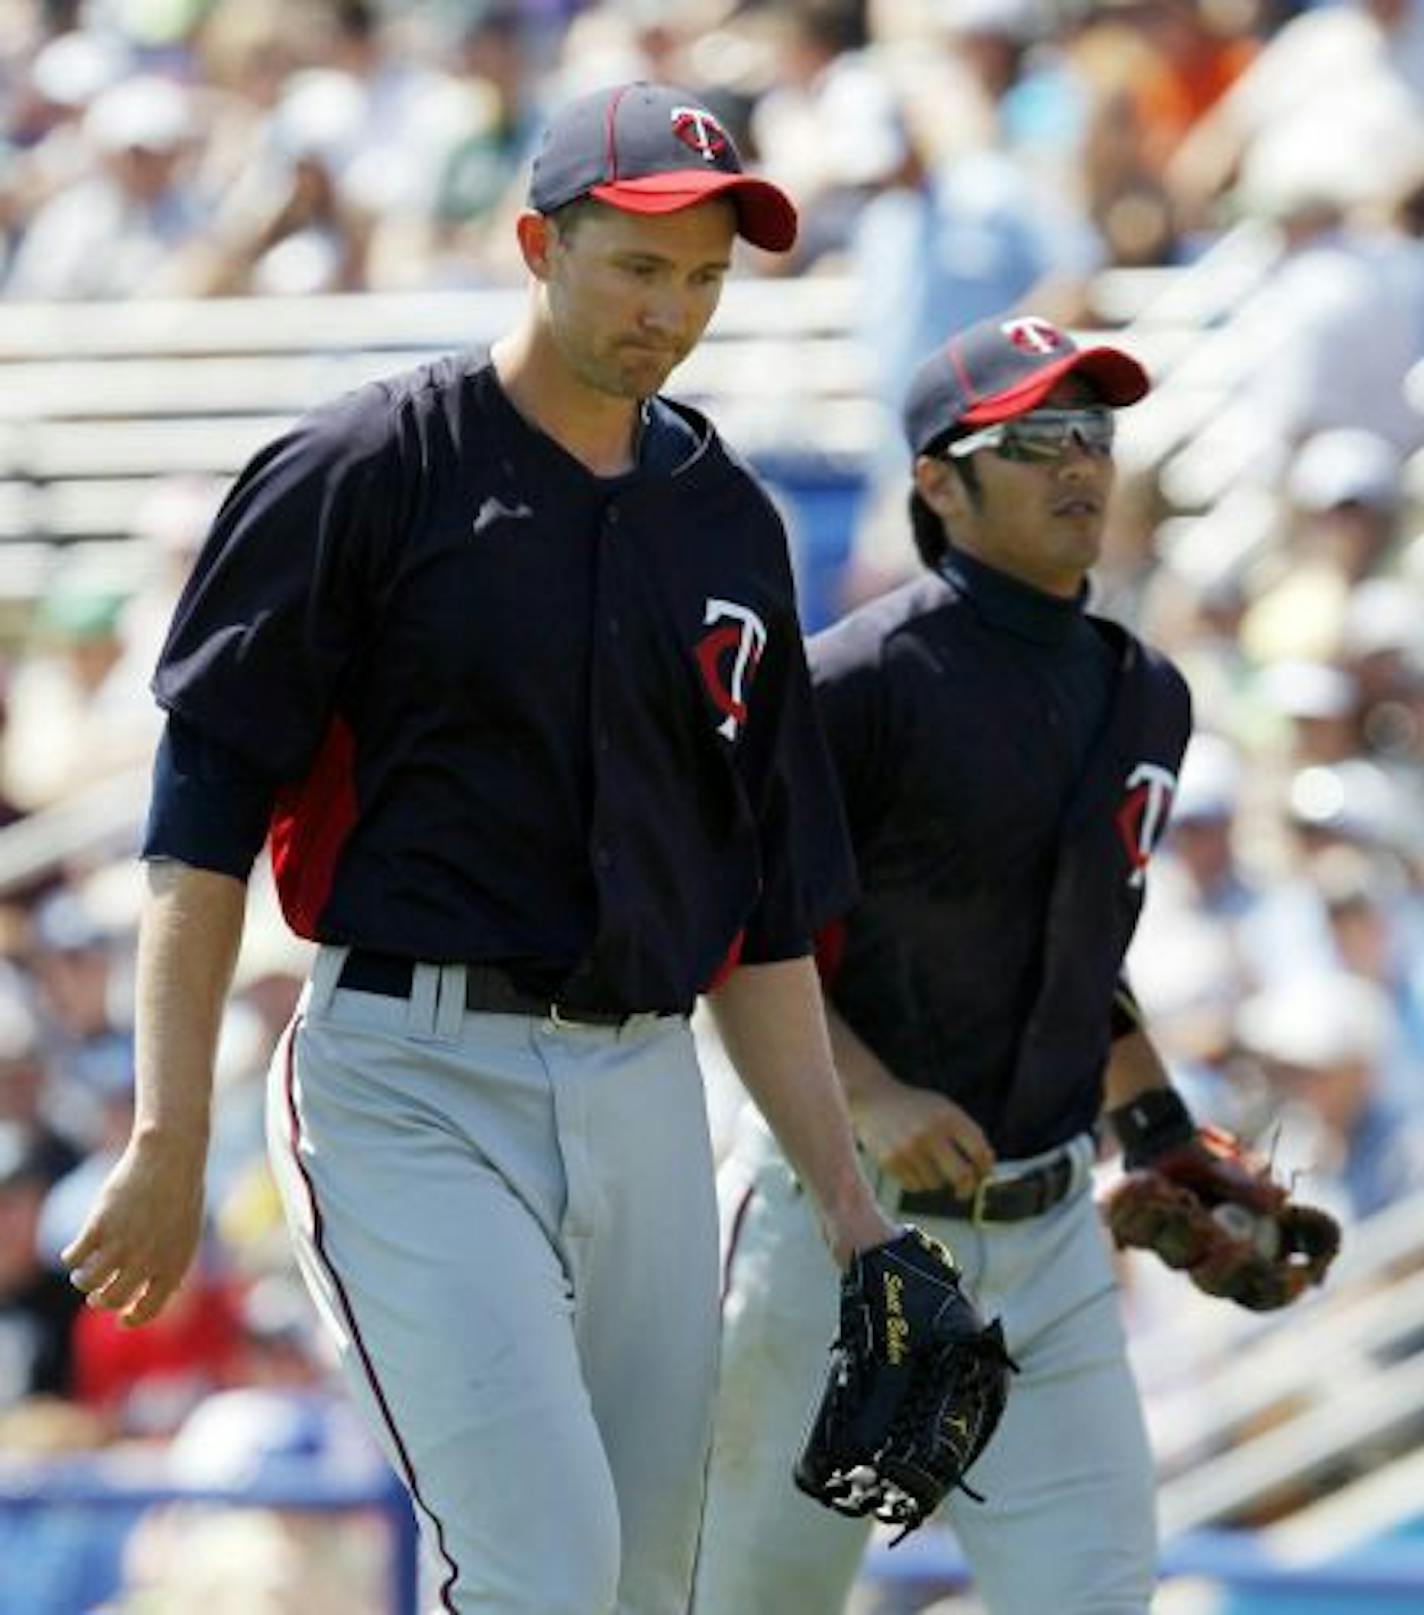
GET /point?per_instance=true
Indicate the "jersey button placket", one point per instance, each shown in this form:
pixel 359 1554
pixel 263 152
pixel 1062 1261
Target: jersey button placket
pixel 603 684
pixel 611 519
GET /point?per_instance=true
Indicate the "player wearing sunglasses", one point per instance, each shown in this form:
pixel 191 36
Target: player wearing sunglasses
pixel 1006 759
pixel 1025 492
pixel 1042 436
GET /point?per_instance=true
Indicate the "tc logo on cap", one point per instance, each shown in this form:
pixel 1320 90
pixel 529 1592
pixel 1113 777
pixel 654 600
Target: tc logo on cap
pixel 697 129
pixel 1034 335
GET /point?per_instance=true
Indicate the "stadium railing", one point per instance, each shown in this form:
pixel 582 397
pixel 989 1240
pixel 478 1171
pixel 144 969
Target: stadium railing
pixel 1384 1579
pixel 1314 1398
pixel 98 399
pixel 1389 1580
pixel 92 1490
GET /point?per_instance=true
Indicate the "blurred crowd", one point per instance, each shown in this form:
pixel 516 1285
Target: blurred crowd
pixel 954 158
pixel 195 147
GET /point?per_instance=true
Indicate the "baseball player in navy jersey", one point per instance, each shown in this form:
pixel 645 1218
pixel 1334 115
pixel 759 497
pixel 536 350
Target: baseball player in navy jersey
pixel 502 656
pixel 1007 761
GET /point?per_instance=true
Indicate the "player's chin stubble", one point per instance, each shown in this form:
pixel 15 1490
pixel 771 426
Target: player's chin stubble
pixel 630 373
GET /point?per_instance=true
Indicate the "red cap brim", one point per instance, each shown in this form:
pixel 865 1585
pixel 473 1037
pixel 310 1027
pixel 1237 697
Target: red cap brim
pixel 765 215
pixel 1116 375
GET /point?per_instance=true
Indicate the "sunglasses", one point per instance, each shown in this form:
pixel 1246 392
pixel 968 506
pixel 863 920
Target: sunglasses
pixel 1042 436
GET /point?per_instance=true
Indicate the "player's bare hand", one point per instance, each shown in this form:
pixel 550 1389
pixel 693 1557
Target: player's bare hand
pixel 923 1139
pixel 140 1238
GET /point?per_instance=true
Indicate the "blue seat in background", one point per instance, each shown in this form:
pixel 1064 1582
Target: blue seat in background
pixel 819 500
pixel 61 1559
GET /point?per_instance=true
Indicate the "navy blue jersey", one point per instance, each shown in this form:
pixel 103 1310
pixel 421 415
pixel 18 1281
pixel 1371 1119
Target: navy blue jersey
pixel 1006 762
pixel 513 712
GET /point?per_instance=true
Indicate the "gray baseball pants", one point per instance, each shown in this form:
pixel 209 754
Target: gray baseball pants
pixel 1068 1522
pixel 509 1227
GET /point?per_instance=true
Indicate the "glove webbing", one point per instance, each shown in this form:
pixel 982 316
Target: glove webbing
pixel 979 1361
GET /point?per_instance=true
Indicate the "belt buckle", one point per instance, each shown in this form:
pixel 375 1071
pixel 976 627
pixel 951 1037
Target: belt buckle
pixel 978 1202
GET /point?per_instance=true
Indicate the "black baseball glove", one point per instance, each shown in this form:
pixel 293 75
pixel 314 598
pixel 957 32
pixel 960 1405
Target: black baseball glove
pixel 917 1384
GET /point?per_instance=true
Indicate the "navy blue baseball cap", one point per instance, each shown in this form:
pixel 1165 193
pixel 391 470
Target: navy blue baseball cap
pixel 1004 367
pixel 650 148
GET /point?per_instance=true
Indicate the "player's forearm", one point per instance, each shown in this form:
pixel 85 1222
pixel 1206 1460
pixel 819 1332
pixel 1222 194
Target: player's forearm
pixel 1133 1067
pixel 189 934
pixel 1145 1110
pixel 772 1022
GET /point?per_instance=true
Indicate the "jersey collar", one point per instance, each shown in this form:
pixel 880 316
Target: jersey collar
pixel 673 441
pixel 1007 603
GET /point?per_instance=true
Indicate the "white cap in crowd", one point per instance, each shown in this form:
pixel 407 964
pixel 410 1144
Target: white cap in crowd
pixel 71 70
pixel 1317 1021
pixel 146 113
pixel 1345 466
pixel 1304 689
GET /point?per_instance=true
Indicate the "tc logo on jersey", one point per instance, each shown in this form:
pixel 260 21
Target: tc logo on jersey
pixel 1033 335
pixel 698 129
pixel 1143 814
pixel 727 656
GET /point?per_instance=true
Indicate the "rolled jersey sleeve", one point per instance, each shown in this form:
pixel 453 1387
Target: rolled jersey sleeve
pixel 280 599
pixel 210 808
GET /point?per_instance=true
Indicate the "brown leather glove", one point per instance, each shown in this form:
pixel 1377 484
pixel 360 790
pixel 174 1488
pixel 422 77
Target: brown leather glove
pixel 1202 1203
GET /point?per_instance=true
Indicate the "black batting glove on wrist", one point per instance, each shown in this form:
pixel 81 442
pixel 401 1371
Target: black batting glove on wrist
pixel 1150 1125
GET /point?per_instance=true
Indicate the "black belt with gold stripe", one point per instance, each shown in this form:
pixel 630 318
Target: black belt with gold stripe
pixel 1014 1199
